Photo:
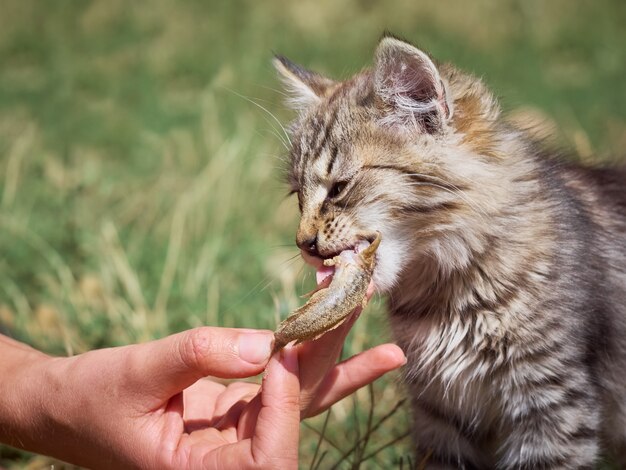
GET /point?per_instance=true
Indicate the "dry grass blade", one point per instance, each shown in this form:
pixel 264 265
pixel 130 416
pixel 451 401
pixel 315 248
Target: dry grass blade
pixel 422 464
pixel 326 437
pixel 358 442
pixel 409 463
pixel 368 431
pixel 319 462
pixel 43 248
pixel 388 444
pixel 20 147
pixel 171 260
pixel 319 443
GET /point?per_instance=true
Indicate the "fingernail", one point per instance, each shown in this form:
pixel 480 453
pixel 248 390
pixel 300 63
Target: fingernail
pixel 255 347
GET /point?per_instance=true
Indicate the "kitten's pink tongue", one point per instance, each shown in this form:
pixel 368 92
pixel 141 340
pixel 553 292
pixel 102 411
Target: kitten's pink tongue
pixel 323 272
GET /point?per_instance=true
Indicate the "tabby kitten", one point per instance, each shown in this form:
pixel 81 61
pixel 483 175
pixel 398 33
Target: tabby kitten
pixel 505 268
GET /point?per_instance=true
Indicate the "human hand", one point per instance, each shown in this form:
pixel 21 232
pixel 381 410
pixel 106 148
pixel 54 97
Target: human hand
pixel 322 384
pixel 123 407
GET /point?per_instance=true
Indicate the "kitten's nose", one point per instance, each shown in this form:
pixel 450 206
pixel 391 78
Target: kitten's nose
pixel 309 245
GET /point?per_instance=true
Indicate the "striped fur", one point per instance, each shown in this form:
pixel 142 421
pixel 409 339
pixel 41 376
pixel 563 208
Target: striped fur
pixel 505 268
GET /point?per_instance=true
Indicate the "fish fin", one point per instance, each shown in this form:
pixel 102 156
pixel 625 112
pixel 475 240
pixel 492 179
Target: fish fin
pixel 322 285
pixel 336 325
pixel 288 320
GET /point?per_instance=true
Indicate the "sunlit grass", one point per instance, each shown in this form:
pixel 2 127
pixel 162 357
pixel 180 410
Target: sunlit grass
pixel 140 176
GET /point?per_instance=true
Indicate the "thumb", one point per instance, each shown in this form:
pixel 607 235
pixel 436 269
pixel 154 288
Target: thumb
pixel 169 365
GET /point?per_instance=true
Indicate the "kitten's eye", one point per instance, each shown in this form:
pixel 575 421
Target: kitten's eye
pixel 336 189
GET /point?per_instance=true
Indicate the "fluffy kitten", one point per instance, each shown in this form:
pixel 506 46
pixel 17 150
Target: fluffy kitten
pixel 504 267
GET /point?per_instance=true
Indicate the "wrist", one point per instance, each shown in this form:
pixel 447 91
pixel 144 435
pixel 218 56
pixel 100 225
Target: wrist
pixel 37 414
pixel 21 373
pixel 51 410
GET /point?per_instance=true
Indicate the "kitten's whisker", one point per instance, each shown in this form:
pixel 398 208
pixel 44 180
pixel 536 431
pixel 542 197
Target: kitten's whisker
pixel 278 157
pixel 291 259
pixel 275 133
pixel 264 109
pixel 275 90
pixel 286 245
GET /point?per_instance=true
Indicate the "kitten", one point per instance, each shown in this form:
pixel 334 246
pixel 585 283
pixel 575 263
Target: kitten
pixel 505 268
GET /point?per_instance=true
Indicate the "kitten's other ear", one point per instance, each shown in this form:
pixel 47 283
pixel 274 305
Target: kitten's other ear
pixel 305 87
pixel 409 86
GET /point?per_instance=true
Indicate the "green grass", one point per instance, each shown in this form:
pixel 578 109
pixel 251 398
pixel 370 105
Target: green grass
pixel 141 195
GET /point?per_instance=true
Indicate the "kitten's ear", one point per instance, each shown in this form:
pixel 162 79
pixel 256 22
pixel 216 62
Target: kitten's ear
pixel 408 84
pixel 305 87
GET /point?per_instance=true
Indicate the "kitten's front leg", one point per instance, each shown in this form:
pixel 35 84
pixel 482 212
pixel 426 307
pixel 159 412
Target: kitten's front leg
pixel 552 423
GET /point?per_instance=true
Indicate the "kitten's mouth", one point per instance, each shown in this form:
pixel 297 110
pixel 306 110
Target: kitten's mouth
pixel 324 274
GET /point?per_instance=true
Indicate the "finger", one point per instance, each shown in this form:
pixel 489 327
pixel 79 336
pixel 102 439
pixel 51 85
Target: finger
pixel 247 422
pixel 274 441
pixel 354 373
pixel 235 392
pixel 318 357
pixel 200 399
pixel 231 406
pixel 276 435
pixel 168 366
pixel 328 346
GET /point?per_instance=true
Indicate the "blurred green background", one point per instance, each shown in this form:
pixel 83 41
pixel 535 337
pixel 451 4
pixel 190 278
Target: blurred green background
pixel 140 176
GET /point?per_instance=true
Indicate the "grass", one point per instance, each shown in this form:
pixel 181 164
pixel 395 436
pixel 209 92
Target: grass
pixel 140 189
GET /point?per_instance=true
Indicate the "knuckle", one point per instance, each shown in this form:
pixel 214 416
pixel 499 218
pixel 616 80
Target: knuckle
pixel 290 402
pixel 306 399
pixel 203 346
pixel 195 347
pixel 265 461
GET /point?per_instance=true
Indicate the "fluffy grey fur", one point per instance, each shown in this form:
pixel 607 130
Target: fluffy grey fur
pixel 505 267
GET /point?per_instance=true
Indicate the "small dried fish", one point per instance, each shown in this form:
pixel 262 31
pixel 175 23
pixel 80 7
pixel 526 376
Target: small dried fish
pixel 329 307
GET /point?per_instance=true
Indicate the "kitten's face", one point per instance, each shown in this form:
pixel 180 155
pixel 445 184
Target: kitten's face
pixel 369 157
pixel 346 189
